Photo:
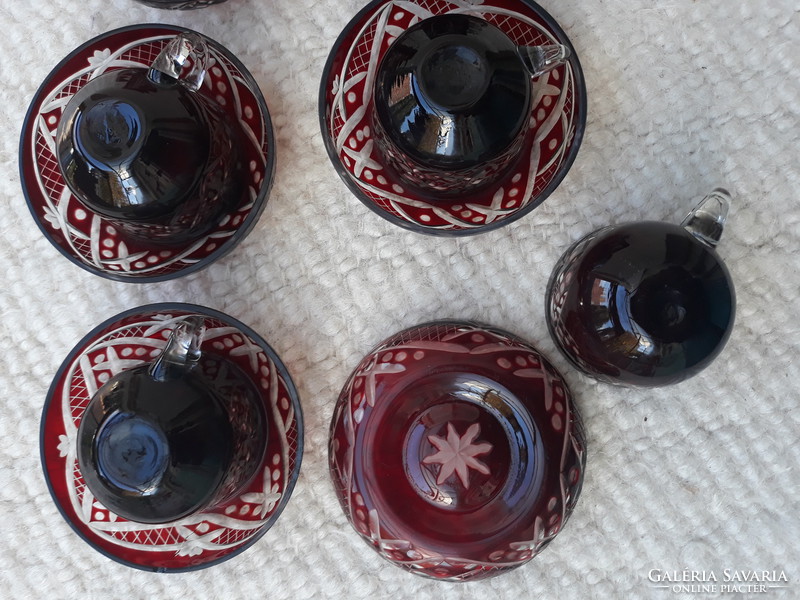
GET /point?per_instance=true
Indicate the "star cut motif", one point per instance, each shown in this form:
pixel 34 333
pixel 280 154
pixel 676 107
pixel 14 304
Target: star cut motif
pixel 457 454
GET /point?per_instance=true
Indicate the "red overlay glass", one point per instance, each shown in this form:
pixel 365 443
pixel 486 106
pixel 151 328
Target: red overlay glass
pixel 456 450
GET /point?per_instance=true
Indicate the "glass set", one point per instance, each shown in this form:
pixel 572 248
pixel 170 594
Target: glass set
pixel 172 434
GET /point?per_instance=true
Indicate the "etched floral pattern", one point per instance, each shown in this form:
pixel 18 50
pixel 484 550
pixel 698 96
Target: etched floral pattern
pixel 456 450
pixel 457 454
pixel 557 119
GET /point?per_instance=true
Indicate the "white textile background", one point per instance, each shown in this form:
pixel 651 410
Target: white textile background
pixel 684 96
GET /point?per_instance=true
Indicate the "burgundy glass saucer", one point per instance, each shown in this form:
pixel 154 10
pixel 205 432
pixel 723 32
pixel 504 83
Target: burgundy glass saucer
pixel 645 303
pixel 89 240
pixel 135 337
pixel 345 105
pixel 456 451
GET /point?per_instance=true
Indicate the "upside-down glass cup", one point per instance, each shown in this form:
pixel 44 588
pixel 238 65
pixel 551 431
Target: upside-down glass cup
pixel 159 442
pixel 453 100
pixel 645 303
pixel 456 450
pixel 143 149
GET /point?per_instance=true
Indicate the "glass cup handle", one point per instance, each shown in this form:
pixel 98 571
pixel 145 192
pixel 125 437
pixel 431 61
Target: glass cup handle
pixel 182 350
pixel 173 59
pixel 708 218
pixel 538 60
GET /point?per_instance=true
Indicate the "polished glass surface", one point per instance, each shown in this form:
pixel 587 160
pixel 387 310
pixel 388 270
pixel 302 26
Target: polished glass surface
pixel 452 92
pixel 258 399
pixel 456 450
pixel 642 303
pixel 139 148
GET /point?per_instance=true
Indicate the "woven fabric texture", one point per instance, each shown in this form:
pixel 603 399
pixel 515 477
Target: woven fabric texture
pixel 684 96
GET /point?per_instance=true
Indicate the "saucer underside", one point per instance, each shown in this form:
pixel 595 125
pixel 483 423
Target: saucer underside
pixel 88 239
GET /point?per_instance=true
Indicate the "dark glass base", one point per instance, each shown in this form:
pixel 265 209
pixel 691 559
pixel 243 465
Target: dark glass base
pixel 180 4
pixel 642 303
